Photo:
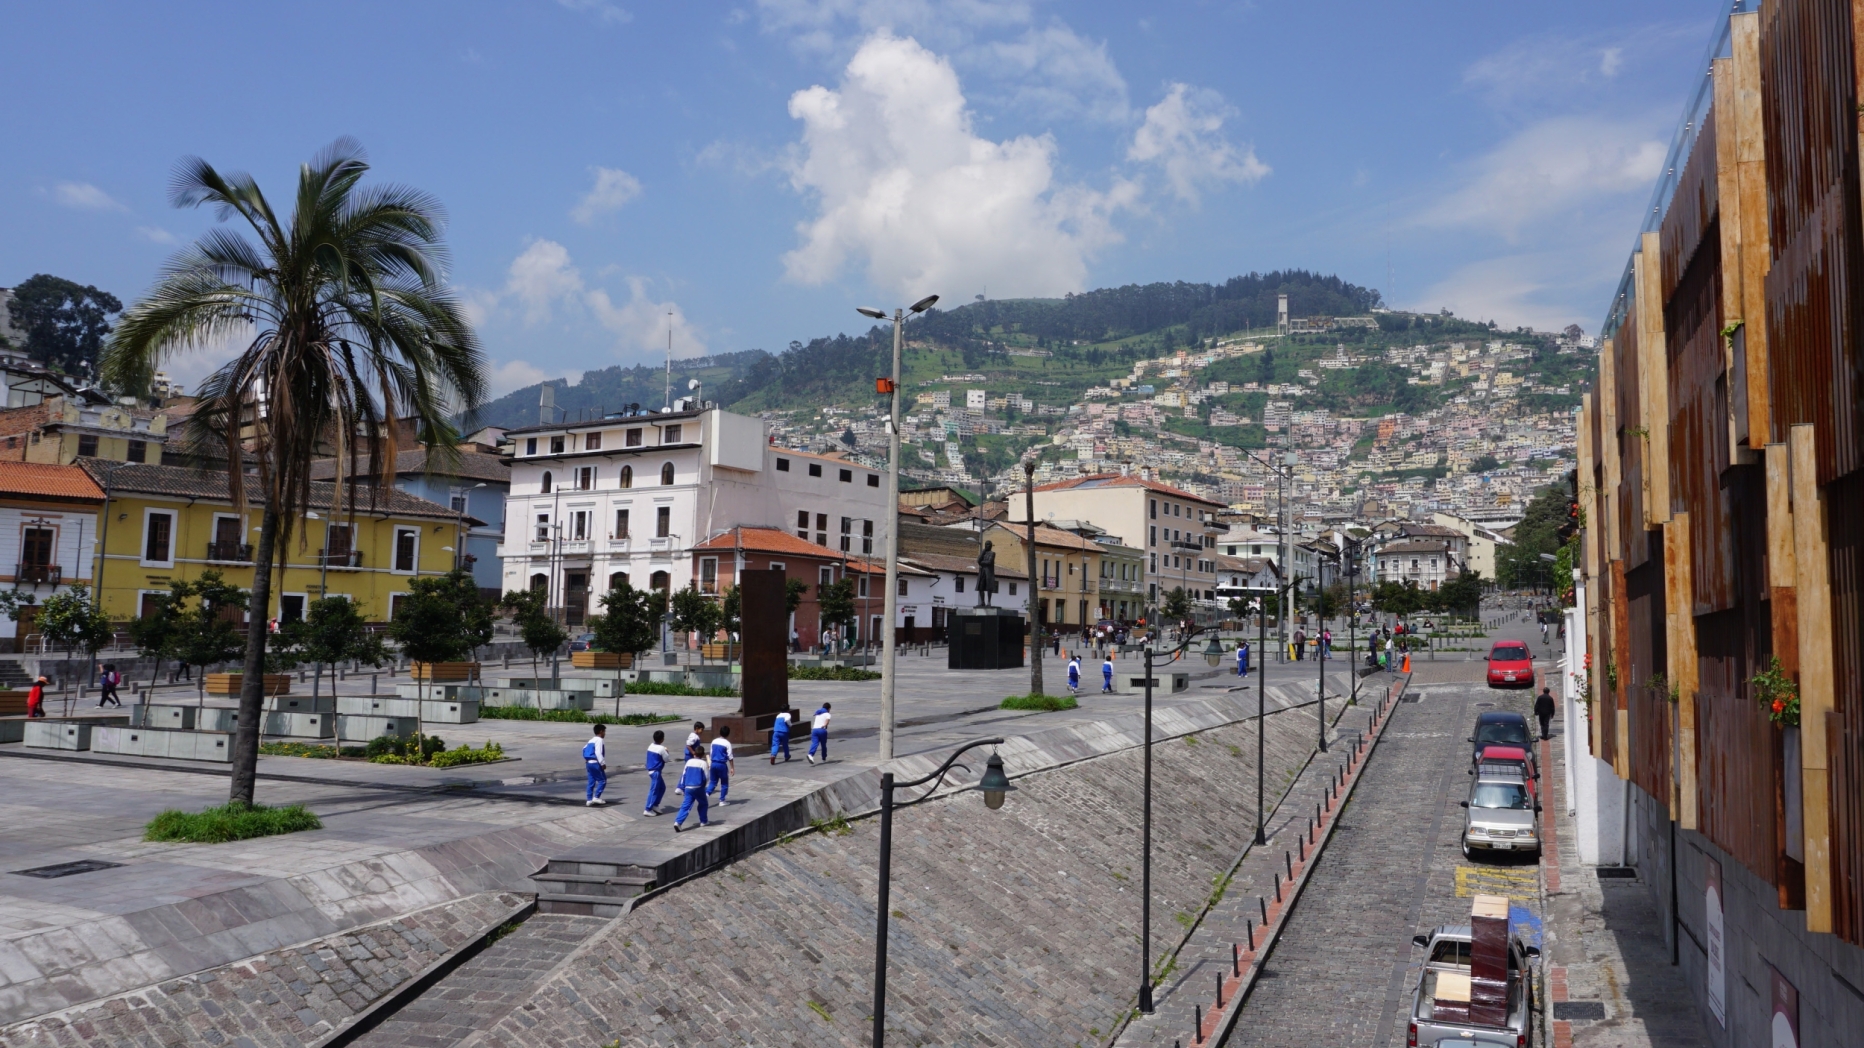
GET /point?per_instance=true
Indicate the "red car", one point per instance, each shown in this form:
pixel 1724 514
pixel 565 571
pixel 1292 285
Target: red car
pixel 1510 665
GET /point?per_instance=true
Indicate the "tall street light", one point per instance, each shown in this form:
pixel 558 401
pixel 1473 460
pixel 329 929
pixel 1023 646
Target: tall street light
pixel 1213 654
pixel 1035 589
pixel 891 387
pixel 993 785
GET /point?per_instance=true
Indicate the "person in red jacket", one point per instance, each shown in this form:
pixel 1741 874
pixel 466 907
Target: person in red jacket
pixel 35 699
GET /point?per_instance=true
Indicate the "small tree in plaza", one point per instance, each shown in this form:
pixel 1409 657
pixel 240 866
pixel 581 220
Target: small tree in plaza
pixel 332 631
pixel 694 612
pixel 536 628
pixel 837 602
pixel 628 621
pixel 72 620
pixel 206 633
pixel 431 626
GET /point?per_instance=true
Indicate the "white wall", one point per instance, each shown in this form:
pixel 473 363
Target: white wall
pixel 1595 795
pixel 73 549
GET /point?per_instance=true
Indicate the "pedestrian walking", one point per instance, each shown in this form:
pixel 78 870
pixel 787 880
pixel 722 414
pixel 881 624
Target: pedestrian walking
pixel 818 734
pixel 1326 644
pixel 1242 659
pixel 695 739
pixel 780 737
pixel 1543 708
pixel 692 789
pixel 722 765
pixel 1300 645
pixel 1074 675
pixel 1106 676
pixel 595 759
pixel 107 687
pixel 656 774
pixel 35 698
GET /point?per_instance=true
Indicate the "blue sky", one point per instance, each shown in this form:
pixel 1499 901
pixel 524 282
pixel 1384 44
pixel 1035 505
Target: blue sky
pixel 757 169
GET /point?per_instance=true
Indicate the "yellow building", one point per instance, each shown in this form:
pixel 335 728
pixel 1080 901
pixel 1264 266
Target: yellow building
pixel 163 523
pixel 63 430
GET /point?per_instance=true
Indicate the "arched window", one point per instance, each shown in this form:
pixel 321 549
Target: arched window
pixel 627 476
pixel 618 580
pixel 666 473
pixel 546 487
pixel 540 582
pixel 661 581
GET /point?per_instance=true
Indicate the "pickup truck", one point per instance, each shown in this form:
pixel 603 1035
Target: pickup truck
pixel 1443 992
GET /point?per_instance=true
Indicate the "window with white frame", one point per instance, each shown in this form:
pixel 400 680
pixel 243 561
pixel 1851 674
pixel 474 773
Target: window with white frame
pixel 543 527
pixel 663 522
pixel 407 550
pixel 585 476
pixel 708 574
pixel 670 435
pixel 621 524
pixel 158 538
pixel 579 525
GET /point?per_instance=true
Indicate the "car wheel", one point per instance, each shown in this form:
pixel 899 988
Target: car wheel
pixel 1466 853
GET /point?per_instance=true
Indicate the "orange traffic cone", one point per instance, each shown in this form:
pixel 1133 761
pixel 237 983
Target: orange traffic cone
pixel 1407 663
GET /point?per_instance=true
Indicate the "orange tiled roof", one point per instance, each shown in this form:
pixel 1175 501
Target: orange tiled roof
pixel 768 540
pixel 43 480
pixel 1115 480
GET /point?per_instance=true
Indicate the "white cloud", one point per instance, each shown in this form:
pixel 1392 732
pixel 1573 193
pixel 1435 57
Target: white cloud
pixel 1054 72
pixel 540 277
pixel 613 189
pixel 1183 136
pixel 82 196
pixel 829 26
pixel 156 235
pixel 1539 290
pixel 906 187
pixel 641 324
pixel 1553 169
pixel 601 9
pixel 504 377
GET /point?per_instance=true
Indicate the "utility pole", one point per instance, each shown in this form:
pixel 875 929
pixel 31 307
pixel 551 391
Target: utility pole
pixel 1035 588
pixel 890 607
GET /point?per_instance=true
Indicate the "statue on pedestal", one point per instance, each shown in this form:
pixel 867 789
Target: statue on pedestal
pixel 986 575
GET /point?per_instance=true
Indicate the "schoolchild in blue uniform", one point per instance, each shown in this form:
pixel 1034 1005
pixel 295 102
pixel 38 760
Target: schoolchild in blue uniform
pixel 1074 674
pixel 692 786
pixel 656 774
pixel 722 765
pixel 818 734
pixel 780 737
pixel 595 759
pixel 1106 676
pixel 1242 659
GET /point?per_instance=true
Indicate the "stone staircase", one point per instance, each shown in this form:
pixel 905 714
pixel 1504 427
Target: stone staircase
pixel 591 886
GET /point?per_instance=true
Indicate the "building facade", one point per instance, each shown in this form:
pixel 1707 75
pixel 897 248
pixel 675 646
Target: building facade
pixel 1175 529
pixel 473 483
pixel 629 497
pixel 167 523
pixel 48 537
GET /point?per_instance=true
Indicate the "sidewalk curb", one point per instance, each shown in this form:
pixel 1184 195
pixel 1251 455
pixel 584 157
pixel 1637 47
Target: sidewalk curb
pixel 1237 988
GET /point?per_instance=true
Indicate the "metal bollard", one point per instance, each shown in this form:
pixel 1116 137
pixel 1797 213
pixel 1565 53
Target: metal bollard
pixel 1236 963
pixel 1252 935
pixel 372 683
pixel 1197 1034
pixel 1265 913
pixel 1288 861
pixel 1219 989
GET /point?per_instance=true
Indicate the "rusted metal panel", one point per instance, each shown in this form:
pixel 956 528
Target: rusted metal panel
pixel 1689 223
pixel 1699 447
pixel 1810 118
pixel 1735 769
pixel 1632 441
pixel 1816 685
pixel 1756 253
pixel 1647 688
pixel 1845 739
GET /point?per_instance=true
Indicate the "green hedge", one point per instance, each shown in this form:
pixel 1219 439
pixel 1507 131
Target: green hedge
pixel 831 673
pixel 1040 703
pixel 662 688
pixel 229 822
pixel 527 713
pixel 309 749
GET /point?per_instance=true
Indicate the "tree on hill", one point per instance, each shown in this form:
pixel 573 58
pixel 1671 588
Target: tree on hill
pixel 64 322
pixel 1518 564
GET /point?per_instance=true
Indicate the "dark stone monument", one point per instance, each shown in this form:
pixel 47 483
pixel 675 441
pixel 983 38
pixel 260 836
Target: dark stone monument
pixel 765 684
pixel 984 638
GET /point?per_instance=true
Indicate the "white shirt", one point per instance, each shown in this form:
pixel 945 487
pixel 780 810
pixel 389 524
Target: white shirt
pixel 601 749
pixel 820 722
pixel 783 723
pixel 721 751
pixel 692 739
pixel 654 747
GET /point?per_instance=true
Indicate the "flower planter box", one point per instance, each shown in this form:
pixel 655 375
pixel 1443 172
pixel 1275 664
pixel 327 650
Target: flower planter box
pixel 602 660
pixel 12 703
pixel 718 651
pixel 230 683
pixel 439 671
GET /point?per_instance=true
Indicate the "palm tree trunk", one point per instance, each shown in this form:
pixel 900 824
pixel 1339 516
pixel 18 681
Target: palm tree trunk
pixel 252 684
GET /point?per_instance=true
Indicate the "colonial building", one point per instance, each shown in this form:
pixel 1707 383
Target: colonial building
pixel 1177 530
pixel 473 483
pixel 718 562
pixel 938 572
pixel 48 533
pixel 631 495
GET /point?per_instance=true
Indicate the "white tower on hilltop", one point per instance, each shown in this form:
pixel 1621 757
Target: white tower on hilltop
pixel 1281 314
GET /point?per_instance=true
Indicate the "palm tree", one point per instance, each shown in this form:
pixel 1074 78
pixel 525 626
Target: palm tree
pixel 349 330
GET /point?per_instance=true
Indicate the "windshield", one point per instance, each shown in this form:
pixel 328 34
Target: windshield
pixel 1509 653
pixel 1508 733
pixel 1500 795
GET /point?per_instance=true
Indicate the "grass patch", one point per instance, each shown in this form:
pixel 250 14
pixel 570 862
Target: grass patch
pixel 654 687
pixel 431 752
pixel 229 822
pixel 1039 703
pixel 823 1012
pixel 837 826
pixel 848 673
pixel 527 713
pixel 308 749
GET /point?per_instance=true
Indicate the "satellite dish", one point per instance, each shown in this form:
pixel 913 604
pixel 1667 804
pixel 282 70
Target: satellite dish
pixel 692 383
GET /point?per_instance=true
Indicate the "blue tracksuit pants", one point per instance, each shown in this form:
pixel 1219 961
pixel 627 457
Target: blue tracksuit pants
pixel 691 794
pixel 598 781
pixel 1106 680
pixel 818 737
pixel 721 780
pixel 780 740
pixel 656 789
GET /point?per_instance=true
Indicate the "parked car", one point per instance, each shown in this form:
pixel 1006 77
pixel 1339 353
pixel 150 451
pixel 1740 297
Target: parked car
pixel 1505 758
pixel 1497 728
pixel 1447 959
pixel 1510 665
pixel 1501 815
pixel 582 641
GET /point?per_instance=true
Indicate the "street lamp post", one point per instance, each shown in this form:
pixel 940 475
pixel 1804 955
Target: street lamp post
pixel 891 600
pixel 1213 654
pixel 1035 588
pixel 1350 551
pixel 993 785
pixel 459 524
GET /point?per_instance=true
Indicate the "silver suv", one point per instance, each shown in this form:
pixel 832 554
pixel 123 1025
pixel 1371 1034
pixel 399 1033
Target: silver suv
pixel 1447 952
pixel 1502 814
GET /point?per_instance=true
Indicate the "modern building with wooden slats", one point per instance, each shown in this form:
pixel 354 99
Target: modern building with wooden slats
pixel 1721 482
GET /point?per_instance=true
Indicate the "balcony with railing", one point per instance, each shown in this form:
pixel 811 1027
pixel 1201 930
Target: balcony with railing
pixel 342 558
pixel 50 574
pixel 229 551
pixel 664 545
pixel 572 547
pixel 619 543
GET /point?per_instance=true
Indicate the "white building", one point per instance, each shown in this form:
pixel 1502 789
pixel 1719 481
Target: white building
pixel 974 399
pixel 627 497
